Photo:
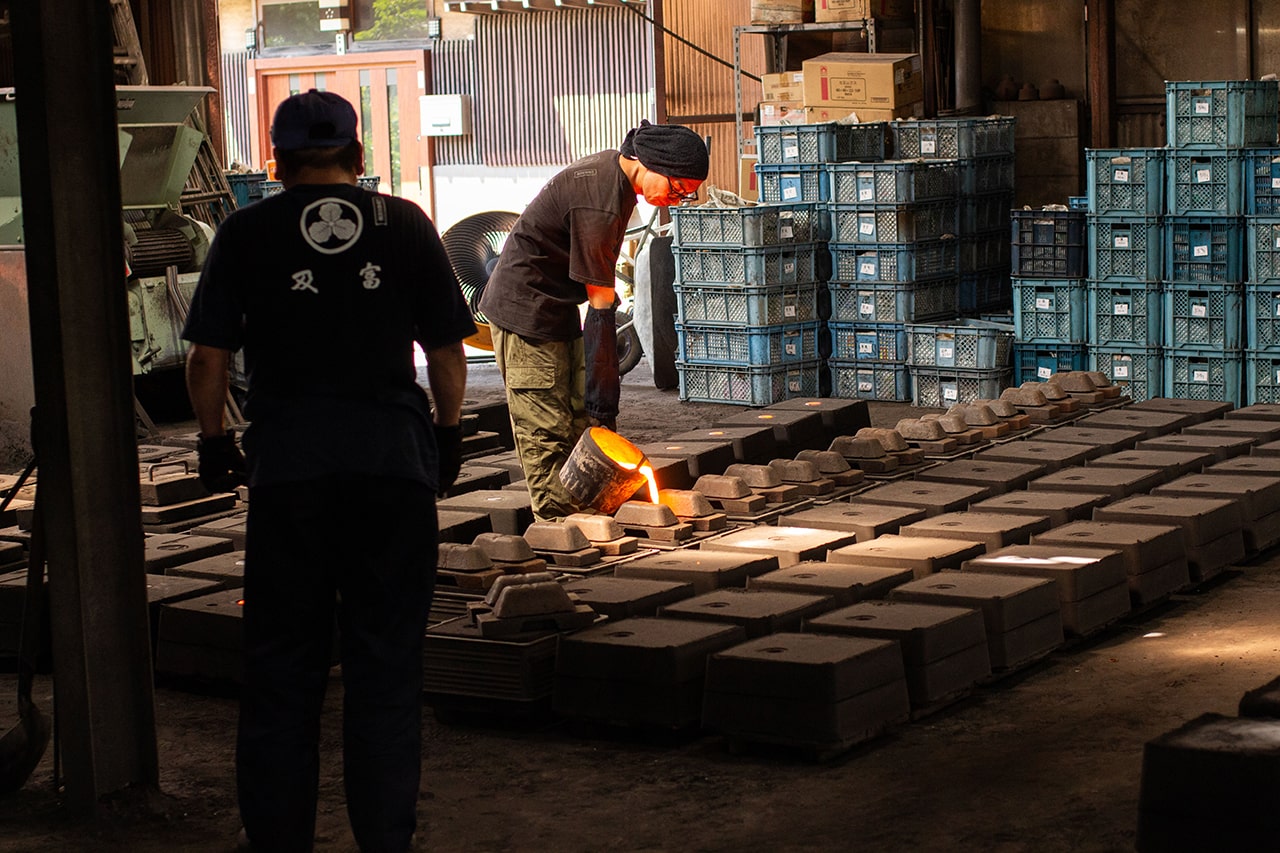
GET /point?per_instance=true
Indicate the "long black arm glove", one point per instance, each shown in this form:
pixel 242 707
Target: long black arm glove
pixel 222 465
pixel 604 385
pixel 449 453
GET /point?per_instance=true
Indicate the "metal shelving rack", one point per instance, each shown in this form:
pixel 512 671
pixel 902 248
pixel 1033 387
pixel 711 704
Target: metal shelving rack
pixel 777 58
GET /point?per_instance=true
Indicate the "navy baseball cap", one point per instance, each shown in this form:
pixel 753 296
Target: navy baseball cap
pixel 313 119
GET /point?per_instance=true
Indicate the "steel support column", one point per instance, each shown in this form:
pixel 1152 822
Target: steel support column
pixel 1100 34
pixel 968 38
pixel 88 487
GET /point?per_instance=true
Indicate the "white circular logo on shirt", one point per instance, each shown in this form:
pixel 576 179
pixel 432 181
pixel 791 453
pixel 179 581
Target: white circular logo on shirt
pixel 331 225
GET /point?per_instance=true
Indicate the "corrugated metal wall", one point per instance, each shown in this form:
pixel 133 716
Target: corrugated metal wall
pixel 236 108
pixel 700 89
pixel 555 86
pixel 453 72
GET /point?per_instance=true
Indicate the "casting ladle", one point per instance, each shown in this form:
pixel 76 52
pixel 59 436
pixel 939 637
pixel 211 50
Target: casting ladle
pixel 23 746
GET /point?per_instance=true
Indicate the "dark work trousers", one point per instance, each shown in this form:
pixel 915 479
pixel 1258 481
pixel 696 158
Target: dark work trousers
pixel 364 547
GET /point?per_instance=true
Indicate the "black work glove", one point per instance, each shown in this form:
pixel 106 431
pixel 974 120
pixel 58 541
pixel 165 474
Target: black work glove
pixel 448 455
pixel 222 465
pixel 604 385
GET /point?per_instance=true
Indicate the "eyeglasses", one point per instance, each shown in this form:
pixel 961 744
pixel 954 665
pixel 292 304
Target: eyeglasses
pixel 675 195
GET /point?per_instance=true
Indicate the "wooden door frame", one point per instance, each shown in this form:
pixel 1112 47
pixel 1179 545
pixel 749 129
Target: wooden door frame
pixel 415 156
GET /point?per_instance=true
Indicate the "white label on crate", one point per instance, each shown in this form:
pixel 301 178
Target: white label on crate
pixel 1199 376
pixel 866 193
pixel 1044 372
pixel 789 267
pixel 1278 377
pixel 1120 371
pixel 866 386
pixel 928 146
pixel 1278 242
pixel 1278 308
pixel 1201 251
pixel 1120 309
pixel 793 385
pixel 867 225
pixel 1199 309
pixel 1201 106
pixel 1275 183
pixel 950 392
pixel 788 310
pixel 786 232
pixel 1203 176
pixel 1044 303
pixel 790 193
pixel 946 351
pixel 869 307
pixel 867 268
pixel 791 348
pixel 1120 241
pixel 791 152
pixel 1120 176
pixel 866 347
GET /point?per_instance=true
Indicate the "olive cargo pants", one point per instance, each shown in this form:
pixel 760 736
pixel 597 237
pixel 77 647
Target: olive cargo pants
pixel 546 383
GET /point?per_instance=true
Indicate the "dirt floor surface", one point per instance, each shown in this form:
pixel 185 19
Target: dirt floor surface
pixel 1047 760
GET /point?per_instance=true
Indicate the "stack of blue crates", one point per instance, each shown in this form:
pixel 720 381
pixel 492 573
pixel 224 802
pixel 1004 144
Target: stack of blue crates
pixel 1049 261
pixel 1262 282
pixel 893 261
pixel 983 150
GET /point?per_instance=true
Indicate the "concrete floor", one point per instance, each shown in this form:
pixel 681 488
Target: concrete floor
pixel 1047 760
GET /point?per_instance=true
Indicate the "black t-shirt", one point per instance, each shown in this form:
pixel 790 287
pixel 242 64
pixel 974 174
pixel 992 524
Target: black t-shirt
pixel 568 237
pixel 326 287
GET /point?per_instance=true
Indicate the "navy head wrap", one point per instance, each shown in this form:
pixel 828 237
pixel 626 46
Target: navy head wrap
pixel 668 149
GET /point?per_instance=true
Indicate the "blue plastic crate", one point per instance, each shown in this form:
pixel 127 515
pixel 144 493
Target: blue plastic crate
pixel 1262 377
pixel 747 346
pixel 1221 114
pixel 946 138
pixel 1050 310
pixel 984 251
pixel 984 290
pixel 1203 375
pixel 1203 182
pixel 969 344
pixel 246 186
pixel 793 183
pixel 1137 370
pixel 943 387
pixel 1126 180
pixel 1262 316
pixel 1203 316
pixel 984 212
pixel 892 182
pixel 1261 181
pixel 1037 362
pixel 748 386
pixel 754 266
pixel 749 306
pixel 369 182
pixel 1204 249
pixel 270 188
pixel 761 225
pixel 1127 248
pixel 1262 244
pixel 1077 202
pixel 901 223
pixel 875 302
pixel 893 262
pixel 1049 243
pixel 821 143
pixel 1124 313
pixel 868 342
pixel 869 380
pixel 986 175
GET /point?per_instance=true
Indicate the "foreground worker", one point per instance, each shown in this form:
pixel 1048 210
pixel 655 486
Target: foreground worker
pixel 327 286
pixel 561 372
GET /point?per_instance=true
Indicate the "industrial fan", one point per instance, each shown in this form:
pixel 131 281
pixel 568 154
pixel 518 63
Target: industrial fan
pixel 473 245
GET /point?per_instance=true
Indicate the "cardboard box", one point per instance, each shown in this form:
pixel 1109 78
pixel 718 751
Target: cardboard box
pixel 829 11
pixel 818 115
pixel 748 180
pixel 773 113
pixel 880 81
pixel 787 86
pixel 781 11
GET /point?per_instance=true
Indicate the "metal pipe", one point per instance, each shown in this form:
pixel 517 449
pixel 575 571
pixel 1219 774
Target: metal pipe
pixel 968 38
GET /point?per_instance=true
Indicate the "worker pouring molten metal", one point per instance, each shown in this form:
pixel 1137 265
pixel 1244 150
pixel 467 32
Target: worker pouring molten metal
pixel 562 375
